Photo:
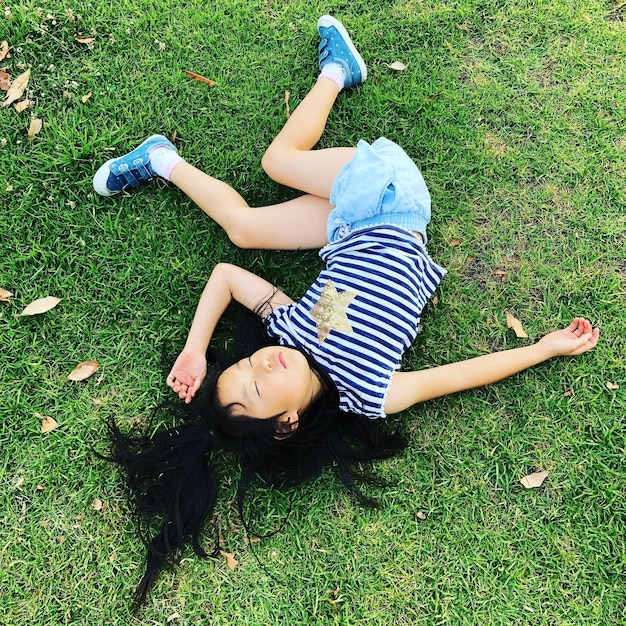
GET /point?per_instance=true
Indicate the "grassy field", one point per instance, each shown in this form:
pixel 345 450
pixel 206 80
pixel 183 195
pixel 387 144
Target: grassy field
pixel 516 114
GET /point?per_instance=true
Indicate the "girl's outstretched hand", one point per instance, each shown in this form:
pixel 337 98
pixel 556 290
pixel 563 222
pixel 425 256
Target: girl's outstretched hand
pixel 577 338
pixel 187 374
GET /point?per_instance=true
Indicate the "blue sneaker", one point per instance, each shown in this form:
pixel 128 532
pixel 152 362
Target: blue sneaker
pixel 337 47
pixel 129 170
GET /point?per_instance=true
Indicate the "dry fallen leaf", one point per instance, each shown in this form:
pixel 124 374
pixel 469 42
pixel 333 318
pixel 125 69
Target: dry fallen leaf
pixel 172 617
pixel 534 480
pixel 454 242
pixel 396 65
pixel 201 79
pixel 5 295
pixel 420 515
pixel 230 559
pixel 4 50
pixel 516 325
pixel 22 105
pixel 40 306
pixel 249 540
pixel 35 127
pixel 83 370
pixel 98 505
pixel 17 88
pixel 612 386
pixel 432 96
pixel 85 97
pixel 85 40
pixel 47 423
pixel 5 81
pixel 501 273
pixel 287 94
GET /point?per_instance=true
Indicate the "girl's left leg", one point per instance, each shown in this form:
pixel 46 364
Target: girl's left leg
pixel 291 225
pixel 299 223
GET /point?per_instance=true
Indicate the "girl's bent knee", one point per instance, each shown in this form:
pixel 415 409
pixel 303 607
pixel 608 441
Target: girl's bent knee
pixel 241 236
pixel 273 163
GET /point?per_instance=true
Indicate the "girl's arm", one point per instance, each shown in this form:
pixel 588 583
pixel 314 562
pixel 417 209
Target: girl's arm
pixel 409 388
pixel 226 283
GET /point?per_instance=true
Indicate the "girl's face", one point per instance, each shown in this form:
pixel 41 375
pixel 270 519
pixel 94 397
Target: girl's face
pixel 273 381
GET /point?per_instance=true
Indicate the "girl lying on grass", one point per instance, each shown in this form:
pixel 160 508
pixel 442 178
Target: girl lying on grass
pixel 330 364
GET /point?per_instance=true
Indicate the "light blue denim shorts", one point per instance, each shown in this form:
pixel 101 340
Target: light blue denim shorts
pixel 380 186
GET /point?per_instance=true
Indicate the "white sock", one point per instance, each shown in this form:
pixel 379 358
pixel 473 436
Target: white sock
pixel 335 72
pixel 163 160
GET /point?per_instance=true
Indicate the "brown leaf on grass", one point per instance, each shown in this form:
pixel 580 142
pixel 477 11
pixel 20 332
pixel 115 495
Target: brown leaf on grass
pixel 230 559
pixel 397 66
pixel 17 88
pixel 453 243
pixel 287 94
pixel 34 127
pixel 516 325
pixel 47 423
pixel 611 386
pixel 248 540
pixel 5 81
pixel 199 78
pixel 534 480
pixel 99 505
pixel 5 295
pixel 85 40
pixel 40 306
pixel 332 595
pixel 85 97
pixel 4 50
pixel 432 96
pixel 22 105
pixel 83 370
pixel 501 273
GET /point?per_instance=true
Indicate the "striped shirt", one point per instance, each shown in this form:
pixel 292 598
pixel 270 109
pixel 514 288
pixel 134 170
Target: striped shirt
pixel 361 313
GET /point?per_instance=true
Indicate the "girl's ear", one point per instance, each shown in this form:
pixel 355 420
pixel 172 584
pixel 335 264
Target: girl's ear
pixel 287 425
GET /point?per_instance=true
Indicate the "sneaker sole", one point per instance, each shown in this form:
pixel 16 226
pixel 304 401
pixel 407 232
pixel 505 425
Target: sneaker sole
pixel 327 20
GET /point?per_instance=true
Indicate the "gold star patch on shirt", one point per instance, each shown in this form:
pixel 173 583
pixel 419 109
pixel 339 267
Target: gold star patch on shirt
pixel 330 311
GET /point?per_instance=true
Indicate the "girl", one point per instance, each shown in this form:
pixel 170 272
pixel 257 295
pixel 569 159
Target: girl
pixel 331 360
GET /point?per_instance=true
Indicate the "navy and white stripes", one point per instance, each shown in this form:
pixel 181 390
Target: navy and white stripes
pixel 393 277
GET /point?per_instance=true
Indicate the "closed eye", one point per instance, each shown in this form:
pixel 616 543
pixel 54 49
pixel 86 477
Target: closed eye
pixel 255 385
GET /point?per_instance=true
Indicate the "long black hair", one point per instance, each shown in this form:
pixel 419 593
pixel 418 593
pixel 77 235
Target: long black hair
pixel 171 475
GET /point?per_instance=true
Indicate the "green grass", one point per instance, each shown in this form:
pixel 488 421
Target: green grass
pixel 516 114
